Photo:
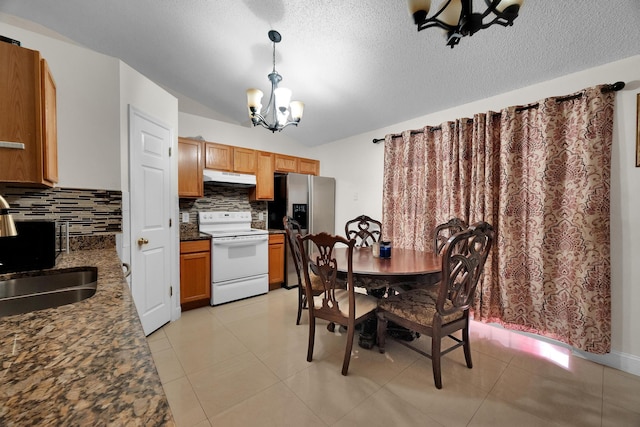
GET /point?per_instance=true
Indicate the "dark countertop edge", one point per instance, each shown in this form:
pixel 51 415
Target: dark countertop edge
pixel 188 237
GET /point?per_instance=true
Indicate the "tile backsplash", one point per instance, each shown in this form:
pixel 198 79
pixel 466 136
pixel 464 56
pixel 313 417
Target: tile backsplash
pixel 88 212
pixel 224 198
pixel 99 212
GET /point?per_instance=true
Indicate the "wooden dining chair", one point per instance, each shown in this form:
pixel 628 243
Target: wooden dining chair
pixel 335 304
pixel 443 232
pixel 440 312
pixel 365 230
pixel 292 229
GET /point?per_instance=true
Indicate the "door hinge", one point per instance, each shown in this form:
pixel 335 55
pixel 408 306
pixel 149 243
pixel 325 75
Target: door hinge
pixel 170 291
pixel 170 151
pixel 170 222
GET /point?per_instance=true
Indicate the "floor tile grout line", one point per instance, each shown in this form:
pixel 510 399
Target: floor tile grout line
pixel 511 359
pixel 495 384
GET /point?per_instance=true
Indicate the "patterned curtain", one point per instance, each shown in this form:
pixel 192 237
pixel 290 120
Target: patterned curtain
pixel 425 182
pixel 541 177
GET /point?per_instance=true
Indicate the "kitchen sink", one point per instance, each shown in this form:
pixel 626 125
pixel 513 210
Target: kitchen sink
pixel 47 290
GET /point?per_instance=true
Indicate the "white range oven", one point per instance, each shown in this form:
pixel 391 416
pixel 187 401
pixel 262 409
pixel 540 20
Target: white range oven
pixel 239 256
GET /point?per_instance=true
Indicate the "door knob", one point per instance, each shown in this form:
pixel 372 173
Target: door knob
pixel 142 241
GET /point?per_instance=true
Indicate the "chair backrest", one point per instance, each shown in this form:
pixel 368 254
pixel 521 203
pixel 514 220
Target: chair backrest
pixel 292 229
pixel 463 260
pixel 365 230
pixel 443 232
pixel 323 264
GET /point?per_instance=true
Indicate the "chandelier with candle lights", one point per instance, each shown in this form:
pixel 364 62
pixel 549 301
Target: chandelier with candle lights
pixel 458 18
pixel 280 112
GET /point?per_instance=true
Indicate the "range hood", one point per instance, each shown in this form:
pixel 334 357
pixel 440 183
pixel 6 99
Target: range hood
pixel 229 178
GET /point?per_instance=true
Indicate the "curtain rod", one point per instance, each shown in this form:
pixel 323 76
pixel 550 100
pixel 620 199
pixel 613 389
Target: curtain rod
pixel 614 87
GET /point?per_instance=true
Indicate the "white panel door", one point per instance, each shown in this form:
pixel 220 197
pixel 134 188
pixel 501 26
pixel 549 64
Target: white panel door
pixel 150 181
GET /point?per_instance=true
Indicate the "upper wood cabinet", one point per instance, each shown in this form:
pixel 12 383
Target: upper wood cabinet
pixel 50 117
pixel 229 158
pixel 309 166
pixel 262 164
pixel 284 163
pixel 244 160
pixel 264 177
pixel 218 156
pixel 28 118
pixel 190 165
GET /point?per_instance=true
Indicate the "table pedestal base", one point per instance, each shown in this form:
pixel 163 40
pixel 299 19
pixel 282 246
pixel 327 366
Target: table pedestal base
pixel 368 338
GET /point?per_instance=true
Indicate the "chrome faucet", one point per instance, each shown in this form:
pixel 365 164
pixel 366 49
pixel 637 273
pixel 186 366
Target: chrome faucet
pixel 7 226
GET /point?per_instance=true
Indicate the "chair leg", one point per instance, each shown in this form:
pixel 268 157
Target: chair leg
pixel 382 331
pixel 312 335
pixel 300 302
pixel 467 346
pixel 435 360
pixel 347 351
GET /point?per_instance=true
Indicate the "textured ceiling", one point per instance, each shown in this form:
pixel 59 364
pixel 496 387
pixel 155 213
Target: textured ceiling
pixel 358 65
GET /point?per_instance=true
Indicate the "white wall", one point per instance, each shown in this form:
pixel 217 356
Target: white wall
pixel 148 97
pixel 250 137
pixel 138 91
pixel 365 183
pixel 87 105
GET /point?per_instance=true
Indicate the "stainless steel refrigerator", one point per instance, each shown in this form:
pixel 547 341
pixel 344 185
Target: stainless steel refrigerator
pixel 308 199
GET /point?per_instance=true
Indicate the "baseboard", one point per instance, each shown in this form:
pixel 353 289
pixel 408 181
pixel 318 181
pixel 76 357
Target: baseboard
pixel 625 362
pixel 622 361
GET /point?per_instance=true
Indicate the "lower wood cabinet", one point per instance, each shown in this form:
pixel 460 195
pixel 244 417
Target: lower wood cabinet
pixel 276 261
pixel 195 273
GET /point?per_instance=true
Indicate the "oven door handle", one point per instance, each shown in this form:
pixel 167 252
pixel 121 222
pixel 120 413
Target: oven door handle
pixel 244 242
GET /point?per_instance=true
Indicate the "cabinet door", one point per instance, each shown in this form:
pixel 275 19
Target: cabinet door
pixel 50 125
pixel 195 275
pixel 190 164
pixel 20 115
pixel 286 163
pixel 244 160
pixel 264 177
pixel 309 166
pixel 276 260
pixel 218 156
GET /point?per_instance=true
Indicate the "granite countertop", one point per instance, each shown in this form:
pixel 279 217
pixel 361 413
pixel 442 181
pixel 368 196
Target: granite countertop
pixel 86 363
pixel 276 231
pixel 190 232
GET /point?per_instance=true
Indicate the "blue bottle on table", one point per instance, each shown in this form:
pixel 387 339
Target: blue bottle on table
pixel 385 249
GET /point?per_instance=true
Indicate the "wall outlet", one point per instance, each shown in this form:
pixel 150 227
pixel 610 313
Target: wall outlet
pixel 185 216
pixel 260 216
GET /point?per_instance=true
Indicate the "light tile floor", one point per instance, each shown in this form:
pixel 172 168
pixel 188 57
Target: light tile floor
pixel 244 364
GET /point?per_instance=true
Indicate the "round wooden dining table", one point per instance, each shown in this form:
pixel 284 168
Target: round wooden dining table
pixel 378 275
pixel 405 265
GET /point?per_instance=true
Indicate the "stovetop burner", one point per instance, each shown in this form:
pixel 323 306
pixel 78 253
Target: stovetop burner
pixel 250 232
pixel 226 224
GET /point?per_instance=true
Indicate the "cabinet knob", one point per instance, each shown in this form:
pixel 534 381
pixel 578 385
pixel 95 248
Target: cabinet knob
pixel 142 241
